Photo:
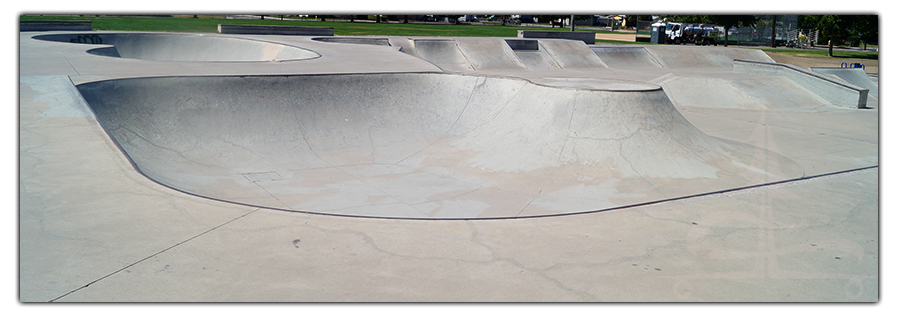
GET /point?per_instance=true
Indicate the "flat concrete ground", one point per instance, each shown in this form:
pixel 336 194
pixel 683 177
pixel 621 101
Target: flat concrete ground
pixel 93 229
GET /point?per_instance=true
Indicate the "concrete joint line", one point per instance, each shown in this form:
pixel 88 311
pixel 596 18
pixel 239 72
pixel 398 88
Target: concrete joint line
pixel 155 254
pixel 271 195
pixel 461 112
pixel 559 155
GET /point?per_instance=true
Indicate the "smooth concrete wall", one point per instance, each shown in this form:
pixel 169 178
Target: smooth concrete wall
pixel 835 91
pixel 587 37
pixel 273 29
pixel 25 26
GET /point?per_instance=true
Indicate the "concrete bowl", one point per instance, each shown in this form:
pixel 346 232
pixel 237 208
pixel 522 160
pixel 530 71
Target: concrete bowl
pixel 420 145
pixel 182 47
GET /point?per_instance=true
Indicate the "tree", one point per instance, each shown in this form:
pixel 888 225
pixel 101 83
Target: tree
pixel 836 28
pixel 865 27
pixel 830 25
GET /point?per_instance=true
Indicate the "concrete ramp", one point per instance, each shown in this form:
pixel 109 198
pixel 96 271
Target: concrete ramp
pixel 748 92
pixel 855 76
pixel 532 55
pixel 627 58
pixel 704 56
pixel 836 91
pixel 571 54
pixel 427 146
pixel 442 52
pixel 489 54
pixel 537 60
pixel 478 54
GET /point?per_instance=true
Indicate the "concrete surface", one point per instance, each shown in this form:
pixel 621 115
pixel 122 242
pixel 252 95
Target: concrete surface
pixel 732 194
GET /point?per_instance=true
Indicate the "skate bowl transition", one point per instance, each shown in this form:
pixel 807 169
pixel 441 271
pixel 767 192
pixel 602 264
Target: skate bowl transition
pixel 421 145
pixel 182 47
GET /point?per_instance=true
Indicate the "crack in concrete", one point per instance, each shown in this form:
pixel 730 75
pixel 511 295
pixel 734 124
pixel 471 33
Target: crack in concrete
pixel 371 241
pixel 303 134
pixel 179 153
pixel 540 272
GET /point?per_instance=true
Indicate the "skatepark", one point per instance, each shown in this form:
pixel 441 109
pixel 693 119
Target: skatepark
pixel 180 167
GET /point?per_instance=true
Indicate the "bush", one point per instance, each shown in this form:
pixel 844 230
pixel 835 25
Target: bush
pixel 854 41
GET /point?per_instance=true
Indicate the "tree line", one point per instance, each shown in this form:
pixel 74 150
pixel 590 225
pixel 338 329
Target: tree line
pixel 842 28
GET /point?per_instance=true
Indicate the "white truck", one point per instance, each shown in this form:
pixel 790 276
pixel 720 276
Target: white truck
pixel 698 34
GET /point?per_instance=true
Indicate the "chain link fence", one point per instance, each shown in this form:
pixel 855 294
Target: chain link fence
pixel 761 34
